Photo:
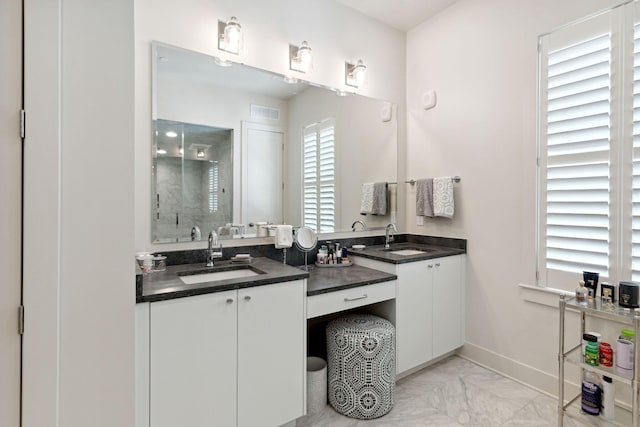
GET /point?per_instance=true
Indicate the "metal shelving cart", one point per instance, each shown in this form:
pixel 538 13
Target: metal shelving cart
pixel 573 356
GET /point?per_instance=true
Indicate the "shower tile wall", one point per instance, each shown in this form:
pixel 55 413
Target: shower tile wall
pixel 183 191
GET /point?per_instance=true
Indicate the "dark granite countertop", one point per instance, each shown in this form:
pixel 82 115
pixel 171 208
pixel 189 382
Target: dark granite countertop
pixel 165 285
pixel 378 252
pixel 330 279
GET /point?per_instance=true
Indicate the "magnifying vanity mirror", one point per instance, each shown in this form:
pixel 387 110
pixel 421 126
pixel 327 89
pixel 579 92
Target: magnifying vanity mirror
pixel 236 149
pixel 306 240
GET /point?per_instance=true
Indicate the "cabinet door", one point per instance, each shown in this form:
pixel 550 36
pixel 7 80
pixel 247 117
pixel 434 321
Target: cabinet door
pixel 193 360
pixel 414 323
pixel 448 304
pixel 271 354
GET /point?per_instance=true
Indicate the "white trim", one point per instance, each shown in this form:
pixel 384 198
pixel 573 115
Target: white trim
pixel 527 375
pixel 542 295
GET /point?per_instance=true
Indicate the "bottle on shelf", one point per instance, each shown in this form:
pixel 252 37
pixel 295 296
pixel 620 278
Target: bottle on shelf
pixel 608 398
pixel 582 293
pixel 591 393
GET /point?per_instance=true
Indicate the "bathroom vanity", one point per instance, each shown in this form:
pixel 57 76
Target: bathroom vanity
pixel 231 349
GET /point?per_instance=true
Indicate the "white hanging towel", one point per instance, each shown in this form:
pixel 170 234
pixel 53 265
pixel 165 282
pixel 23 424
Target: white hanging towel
pixel 366 199
pixel 284 236
pixel 443 197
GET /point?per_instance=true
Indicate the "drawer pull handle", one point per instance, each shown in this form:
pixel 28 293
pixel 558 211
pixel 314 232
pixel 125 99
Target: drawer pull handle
pixel 430 266
pixel 229 300
pixel 363 296
pixel 247 297
pixel 437 264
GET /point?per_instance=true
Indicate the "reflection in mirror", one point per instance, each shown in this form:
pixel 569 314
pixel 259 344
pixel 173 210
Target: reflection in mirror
pixel 297 153
pixel 192 179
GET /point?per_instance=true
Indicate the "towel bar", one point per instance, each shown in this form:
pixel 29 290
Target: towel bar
pixel 413 181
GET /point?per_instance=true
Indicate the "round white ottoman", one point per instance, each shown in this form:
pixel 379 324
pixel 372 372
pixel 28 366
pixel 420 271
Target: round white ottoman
pixel 361 358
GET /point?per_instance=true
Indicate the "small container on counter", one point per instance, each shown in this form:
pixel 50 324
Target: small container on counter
pixel 159 263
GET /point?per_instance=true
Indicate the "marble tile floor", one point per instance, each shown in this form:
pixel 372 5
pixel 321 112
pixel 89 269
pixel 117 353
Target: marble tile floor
pixel 456 392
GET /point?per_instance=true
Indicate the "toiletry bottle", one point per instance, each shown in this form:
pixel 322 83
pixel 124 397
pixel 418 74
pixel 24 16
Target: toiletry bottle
pixel 608 398
pixel 592 354
pixel 581 293
pixel 591 393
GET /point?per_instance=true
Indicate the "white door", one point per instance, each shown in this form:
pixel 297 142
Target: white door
pixel 271 354
pixel 10 210
pixel 262 177
pixel 193 356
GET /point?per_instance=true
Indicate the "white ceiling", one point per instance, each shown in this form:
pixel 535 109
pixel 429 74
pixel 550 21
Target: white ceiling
pixel 400 14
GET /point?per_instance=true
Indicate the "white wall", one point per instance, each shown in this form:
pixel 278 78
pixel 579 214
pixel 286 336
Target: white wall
pixel 79 279
pixel 335 33
pixel 480 56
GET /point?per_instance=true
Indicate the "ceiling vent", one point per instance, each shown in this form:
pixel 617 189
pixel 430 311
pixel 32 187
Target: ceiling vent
pixel 264 113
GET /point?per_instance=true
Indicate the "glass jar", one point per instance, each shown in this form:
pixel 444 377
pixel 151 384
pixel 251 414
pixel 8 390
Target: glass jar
pixel 159 263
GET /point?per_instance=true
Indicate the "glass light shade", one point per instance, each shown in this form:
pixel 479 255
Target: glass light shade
pixel 355 74
pixel 230 36
pixel 301 58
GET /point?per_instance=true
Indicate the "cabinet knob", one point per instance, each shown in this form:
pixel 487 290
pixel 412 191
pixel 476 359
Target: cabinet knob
pixel 229 300
pixel 437 264
pixel 430 266
pixel 247 297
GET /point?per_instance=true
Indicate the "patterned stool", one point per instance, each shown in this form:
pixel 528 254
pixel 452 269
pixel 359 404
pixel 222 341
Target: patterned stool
pixel 361 357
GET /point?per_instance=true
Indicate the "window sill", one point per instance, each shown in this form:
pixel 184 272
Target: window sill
pixel 542 295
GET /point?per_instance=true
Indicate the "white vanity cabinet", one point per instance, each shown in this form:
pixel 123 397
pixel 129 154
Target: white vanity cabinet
pixel 429 307
pixel 193 361
pixel 233 358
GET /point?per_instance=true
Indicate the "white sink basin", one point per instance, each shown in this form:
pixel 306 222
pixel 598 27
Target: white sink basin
pixel 407 252
pixel 217 275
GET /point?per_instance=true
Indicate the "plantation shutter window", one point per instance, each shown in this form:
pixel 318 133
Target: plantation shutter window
pixel 319 176
pixel 589 150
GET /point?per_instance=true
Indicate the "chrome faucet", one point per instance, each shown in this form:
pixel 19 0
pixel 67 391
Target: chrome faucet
pixel 353 226
pixel 211 252
pixel 388 234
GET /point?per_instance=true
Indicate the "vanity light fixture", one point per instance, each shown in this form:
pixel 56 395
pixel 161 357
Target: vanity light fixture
pixel 200 154
pixel 300 57
pixel 171 134
pixel 354 74
pixel 161 151
pixel 181 151
pixel 230 36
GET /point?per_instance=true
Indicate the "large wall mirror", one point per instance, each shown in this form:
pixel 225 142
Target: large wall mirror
pixel 236 149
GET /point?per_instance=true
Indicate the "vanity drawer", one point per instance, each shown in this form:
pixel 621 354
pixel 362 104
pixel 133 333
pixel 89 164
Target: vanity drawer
pixel 333 302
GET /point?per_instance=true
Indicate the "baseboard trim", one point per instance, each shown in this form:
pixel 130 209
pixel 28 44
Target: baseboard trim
pixel 408 372
pixel 524 374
